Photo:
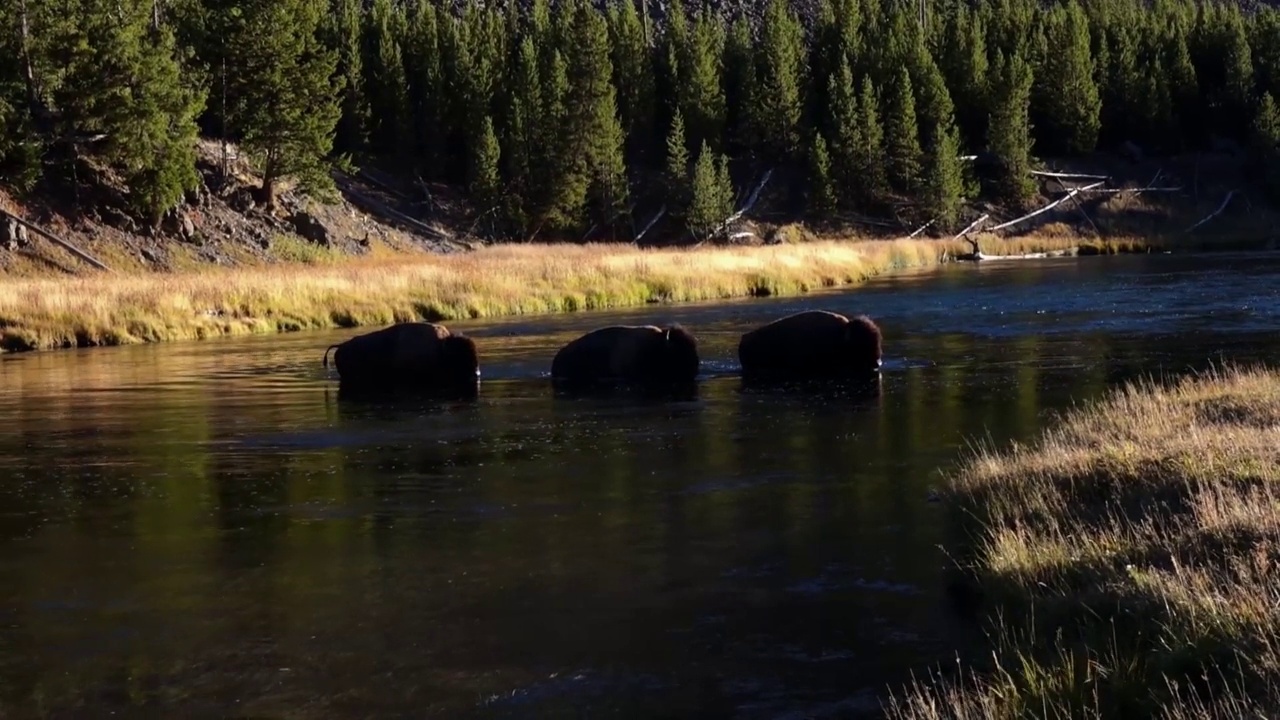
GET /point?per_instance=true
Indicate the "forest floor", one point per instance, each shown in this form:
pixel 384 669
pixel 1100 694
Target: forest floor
pixel 381 250
pixel 1126 560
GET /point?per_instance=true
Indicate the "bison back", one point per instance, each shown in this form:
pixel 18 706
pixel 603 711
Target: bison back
pixel 608 353
pixel 807 342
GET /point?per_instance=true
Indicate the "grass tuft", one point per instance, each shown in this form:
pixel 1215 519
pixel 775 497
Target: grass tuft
pixel 1135 547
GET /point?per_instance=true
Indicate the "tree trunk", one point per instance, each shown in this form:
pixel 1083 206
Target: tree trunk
pixel 269 189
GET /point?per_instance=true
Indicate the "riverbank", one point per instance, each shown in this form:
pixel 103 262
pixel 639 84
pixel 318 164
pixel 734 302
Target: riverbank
pixel 105 309
pixel 1132 554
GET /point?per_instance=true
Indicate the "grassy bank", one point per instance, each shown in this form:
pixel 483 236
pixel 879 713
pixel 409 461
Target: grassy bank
pixel 109 309
pixel 1131 553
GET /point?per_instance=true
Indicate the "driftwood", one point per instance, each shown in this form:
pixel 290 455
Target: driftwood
pixel 1215 213
pixel 649 225
pixel 971 227
pixel 922 228
pixel 57 240
pixel 1070 194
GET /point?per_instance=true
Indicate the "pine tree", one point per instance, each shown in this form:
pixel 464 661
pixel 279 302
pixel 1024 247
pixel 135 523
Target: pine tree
pixel 287 105
pixel 822 200
pixel 902 135
pixel 700 87
pixel 343 33
pixel 777 106
pixel 712 195
pixel 943 185
pixel 486 184
pixel 384 78
pixel 1009 134
pixel 871 158
pixel 633 78
pixel 739 83
pixel 845 131
pixel 677 169
pixel 122 82
pixel 1066 95
pixel 1266 143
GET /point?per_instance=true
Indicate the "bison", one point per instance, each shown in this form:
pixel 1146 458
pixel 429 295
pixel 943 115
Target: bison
pixel 643 355
pixel 411 355
pixel 814 344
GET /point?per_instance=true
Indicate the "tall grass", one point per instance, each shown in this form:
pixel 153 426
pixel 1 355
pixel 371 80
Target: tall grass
pixel 504 280
pixel 1129 559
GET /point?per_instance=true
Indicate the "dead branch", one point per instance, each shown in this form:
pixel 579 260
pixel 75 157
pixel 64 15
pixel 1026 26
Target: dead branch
pixel 971 227
pixel 657 216
pixel 1215 213
pixel 922 228
pixel 57 240
pixel 1070 194
pixel 384 208
pixel 1068 176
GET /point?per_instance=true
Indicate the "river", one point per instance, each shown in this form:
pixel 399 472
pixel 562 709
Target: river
pixel 204 529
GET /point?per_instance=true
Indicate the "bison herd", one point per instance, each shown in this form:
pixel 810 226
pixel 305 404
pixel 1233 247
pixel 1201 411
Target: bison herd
pixel 809 345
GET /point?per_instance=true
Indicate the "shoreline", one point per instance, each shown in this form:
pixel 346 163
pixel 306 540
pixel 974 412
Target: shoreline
pixel 102 309
pixel 1121 563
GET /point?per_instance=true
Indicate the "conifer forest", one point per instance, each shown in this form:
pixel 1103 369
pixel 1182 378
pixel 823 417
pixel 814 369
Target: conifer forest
pixel 558 117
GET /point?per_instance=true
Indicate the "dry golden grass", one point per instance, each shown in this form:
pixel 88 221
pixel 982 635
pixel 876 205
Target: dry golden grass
pixel 502 280
pixel 1136 544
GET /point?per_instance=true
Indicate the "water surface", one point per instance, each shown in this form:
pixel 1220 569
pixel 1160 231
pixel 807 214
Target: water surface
pixel 204 529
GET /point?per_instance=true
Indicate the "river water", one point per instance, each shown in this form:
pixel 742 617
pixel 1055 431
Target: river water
pixel 205 529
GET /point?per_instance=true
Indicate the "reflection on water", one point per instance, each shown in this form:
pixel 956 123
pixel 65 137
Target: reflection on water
pixel 205 528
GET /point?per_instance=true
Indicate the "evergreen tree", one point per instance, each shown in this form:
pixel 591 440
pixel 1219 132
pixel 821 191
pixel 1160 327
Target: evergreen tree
pixel 963 59
pixel 1009 134
pixel 486 184
pixel 822 201
pixel 700 87
pixel 633 78
pixel 845 131
pixel 943 186
pixel 777 107
pixel 711 198
pixel 287 103
pixel 902 135
pixel 384 78
pixel 121 83
pixel 871 158
pixel 1266 144
pixel 739 83
pixel 677 169
pixel 343 33
pixel 1065 95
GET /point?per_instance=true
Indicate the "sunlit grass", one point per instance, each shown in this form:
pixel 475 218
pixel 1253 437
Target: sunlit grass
pixel 316 292
pixel 1131 554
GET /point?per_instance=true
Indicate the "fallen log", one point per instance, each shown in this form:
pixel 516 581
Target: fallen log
pixel 1068 176
pixel 57 240
pixel 1070 194
pixel 972 225
pixel 921 229
pixel 1215 213
pixel 388 210
pixel 751 202
pixel 649 225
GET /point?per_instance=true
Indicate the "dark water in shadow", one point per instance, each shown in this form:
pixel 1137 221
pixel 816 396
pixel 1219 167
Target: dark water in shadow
pixel 202 529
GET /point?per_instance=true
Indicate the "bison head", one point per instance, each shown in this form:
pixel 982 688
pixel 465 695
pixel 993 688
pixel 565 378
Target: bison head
pixel 459 361
pixel 863 344
pixel 679 357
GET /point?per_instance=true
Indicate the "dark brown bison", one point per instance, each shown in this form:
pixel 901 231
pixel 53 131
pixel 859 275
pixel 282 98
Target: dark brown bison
pixel 809 345
pixel 407 355
pixel 629 354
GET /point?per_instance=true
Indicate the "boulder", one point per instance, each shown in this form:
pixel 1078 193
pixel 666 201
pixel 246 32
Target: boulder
pixel 309 227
